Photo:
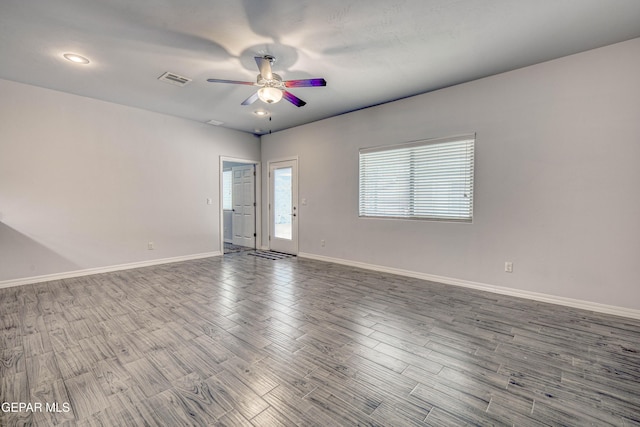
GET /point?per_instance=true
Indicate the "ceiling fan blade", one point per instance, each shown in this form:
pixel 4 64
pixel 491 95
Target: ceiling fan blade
pixel 293 99
pixel 305 83
pixel 264 65
pixel 235 82
pixel 250 100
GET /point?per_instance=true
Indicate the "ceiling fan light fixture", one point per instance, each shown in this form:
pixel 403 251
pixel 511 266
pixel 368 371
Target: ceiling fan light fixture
pixel 270 95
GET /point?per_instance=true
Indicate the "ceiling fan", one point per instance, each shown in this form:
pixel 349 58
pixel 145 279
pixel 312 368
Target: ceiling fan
pixel 272 87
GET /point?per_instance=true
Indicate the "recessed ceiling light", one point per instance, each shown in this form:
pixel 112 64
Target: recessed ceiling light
pixel 261 113
pixel 75 58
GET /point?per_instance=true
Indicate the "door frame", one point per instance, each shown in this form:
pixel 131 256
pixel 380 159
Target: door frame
pixel 295 201
pixel 258 190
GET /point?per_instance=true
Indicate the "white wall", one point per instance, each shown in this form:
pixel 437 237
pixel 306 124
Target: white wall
pixel 556 188
pixel 86 184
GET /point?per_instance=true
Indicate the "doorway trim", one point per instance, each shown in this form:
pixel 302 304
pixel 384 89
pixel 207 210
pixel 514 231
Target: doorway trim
pixel 268 199
pixel 258 190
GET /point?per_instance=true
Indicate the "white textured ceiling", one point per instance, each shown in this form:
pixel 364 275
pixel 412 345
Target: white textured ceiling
pixel 370 52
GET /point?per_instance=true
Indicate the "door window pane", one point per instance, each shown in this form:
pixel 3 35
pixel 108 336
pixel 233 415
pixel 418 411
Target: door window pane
pixel 282 203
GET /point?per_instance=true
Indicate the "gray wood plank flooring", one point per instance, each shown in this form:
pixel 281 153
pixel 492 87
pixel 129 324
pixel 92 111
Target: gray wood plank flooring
pixel 240 341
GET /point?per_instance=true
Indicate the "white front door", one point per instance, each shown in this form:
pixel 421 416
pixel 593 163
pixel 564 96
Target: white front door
pixel 244 209
pixel 283 206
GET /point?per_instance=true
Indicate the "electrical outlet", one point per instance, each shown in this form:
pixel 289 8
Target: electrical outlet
pixel 150 246
pixel 508 267
pixel 209 201
pixel 322 243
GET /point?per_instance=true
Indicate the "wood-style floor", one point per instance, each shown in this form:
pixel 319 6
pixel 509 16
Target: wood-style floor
pixel 240 340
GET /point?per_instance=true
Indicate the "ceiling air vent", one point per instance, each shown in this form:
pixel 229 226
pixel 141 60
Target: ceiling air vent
pixel 174 79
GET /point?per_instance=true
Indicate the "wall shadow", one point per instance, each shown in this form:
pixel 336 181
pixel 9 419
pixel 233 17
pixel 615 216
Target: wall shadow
pixel 23 257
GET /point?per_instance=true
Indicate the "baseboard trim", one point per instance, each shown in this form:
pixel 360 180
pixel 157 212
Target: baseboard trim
pixel 552 299
pixel 99 270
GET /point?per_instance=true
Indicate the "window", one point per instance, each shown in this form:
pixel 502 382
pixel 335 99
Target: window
pixel 227 185
pixel 431 179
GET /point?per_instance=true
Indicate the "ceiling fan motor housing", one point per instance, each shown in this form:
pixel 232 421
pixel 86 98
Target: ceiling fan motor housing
pixel 275 81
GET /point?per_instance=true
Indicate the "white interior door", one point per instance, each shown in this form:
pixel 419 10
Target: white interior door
pixel 244 206
pixel 283 206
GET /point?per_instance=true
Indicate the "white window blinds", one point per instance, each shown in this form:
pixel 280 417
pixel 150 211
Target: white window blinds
pixel 431 179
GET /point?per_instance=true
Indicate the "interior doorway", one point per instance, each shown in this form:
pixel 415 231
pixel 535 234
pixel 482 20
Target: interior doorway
pixel 239 194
